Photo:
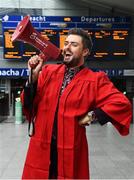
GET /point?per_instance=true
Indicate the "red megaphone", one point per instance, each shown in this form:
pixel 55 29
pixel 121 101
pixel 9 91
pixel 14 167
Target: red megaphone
pixel 26 33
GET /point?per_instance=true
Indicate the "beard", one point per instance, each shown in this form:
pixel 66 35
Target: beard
pixel 72 62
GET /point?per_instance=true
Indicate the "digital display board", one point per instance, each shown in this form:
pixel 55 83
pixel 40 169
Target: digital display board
pixel 110 35
pixel 110 44
pixel 11 50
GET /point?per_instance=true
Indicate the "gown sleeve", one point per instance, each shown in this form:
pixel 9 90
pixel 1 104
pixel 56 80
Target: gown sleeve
pixel 114 103
pixel 31 94
pixel 27 98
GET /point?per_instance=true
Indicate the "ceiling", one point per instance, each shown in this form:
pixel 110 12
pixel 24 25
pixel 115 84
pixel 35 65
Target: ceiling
pixel 126 6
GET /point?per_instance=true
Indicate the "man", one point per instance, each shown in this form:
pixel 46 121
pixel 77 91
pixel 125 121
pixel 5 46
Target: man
pixel 67 98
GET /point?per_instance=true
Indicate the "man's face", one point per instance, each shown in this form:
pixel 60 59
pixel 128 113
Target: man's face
pixel 73 51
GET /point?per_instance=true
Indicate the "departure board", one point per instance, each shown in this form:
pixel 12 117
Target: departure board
pixel 11 50
pixel 106 44
pixel 110 35
pixel 110 44
pixel 51 35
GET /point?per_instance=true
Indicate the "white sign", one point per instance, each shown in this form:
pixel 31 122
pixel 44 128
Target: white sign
pixel 128 72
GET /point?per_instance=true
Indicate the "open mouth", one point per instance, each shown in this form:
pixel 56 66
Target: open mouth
pixel 67 55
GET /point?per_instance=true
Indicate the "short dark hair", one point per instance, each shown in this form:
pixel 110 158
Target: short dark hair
pixel 86 38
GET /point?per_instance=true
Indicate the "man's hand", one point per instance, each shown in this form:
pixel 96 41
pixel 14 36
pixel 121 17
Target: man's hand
pixel 35 63
pixel 87 119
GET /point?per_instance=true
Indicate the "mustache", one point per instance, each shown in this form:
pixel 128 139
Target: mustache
pixel 66 52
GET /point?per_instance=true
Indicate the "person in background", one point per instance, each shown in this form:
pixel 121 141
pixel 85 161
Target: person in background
pixel 67 98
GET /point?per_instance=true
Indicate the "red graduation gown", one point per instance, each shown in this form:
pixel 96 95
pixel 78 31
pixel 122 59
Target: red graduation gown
pixel 88 90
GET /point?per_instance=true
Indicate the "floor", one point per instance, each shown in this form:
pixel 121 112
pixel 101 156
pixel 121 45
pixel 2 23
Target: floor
pixel 111 155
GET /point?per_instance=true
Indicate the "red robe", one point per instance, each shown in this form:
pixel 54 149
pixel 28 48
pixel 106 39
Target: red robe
pixel 88 90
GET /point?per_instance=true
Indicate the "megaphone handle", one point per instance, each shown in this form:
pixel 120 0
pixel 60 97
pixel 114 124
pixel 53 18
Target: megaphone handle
pixel 44 57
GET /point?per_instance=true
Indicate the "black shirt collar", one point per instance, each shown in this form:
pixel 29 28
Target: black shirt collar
pixel 75 69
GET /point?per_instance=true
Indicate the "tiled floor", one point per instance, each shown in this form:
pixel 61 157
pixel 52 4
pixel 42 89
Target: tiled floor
pixel 111 155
